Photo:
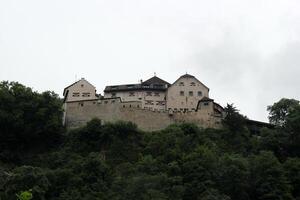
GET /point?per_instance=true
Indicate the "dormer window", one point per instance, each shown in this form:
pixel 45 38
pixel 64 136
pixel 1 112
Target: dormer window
pixel 193 84
pixel 82 85
pixel 181 84
pixel 199 93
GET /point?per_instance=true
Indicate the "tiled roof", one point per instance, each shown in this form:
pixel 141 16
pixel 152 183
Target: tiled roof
pixel 187 76
pixel 153 83
pixel 127 87
pixel 155 80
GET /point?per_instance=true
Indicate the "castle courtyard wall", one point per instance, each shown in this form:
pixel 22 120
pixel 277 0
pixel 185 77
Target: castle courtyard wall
pixel 111 110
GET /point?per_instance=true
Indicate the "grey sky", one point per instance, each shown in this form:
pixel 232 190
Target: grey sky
pixel 246 51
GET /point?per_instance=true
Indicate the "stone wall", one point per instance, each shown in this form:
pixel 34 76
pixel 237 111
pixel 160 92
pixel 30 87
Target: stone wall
pixel 112 110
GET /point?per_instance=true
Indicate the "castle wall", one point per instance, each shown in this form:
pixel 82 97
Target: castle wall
pixel 112 110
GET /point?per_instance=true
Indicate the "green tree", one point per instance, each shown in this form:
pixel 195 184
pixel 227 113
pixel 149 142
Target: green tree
pixel 24 195
pixel 279 111
pixel 233 119
pixel 28 120
pixel 267 178
pixel 292 170
pixel 286 115
pixel 26 177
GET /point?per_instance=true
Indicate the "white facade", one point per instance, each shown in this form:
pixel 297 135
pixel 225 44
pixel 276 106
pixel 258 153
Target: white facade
pixel 80 90
pixel 154 94
pixel 185 93
pixel 153 100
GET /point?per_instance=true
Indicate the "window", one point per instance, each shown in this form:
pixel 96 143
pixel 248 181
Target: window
pixel 131 94
pixel 181 84
pixel 113 94
pixel 149 103
pixel 199 93
pixel 76 94
pixel 206 103
pixel 149 94
pixel 181 93
pixel 86 94
pixel 113 101
pixel 193 84
pixel 156 94
pixel 81 104
pixel 191 93
pixel 161 103
pixel 106 102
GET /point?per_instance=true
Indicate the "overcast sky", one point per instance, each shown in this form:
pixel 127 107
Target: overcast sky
pixel 246 51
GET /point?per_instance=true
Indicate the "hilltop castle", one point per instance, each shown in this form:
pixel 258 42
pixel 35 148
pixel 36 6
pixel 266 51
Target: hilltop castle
pixel 152 104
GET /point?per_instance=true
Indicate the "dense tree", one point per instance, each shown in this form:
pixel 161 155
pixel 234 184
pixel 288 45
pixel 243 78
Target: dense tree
pixel 280 110
pixel 233 119
pixel 117 161
pixel 26 178
pixel 28 120
pixel 267 178
pixel 286 136
pixel 292 170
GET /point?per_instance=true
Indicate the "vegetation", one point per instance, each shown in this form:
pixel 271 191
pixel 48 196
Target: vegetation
pixel 39 159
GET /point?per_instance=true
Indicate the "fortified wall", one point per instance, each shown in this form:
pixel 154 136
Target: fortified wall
pixel 112 110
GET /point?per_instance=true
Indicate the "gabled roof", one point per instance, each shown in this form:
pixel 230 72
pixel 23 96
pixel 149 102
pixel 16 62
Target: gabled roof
pixel 69 86
pixel 82 79
pixel 155 80
pixel 190 76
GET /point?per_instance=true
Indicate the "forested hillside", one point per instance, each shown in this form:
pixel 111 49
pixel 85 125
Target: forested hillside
pixel 41 160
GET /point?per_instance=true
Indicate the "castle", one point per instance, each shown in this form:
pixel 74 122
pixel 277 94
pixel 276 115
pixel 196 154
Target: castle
pixel 152 104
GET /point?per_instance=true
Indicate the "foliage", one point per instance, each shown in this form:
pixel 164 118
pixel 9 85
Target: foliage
pixel 117 161
pixel 29 121
pixel 24 195
pixel 280 110
pixel 233 119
